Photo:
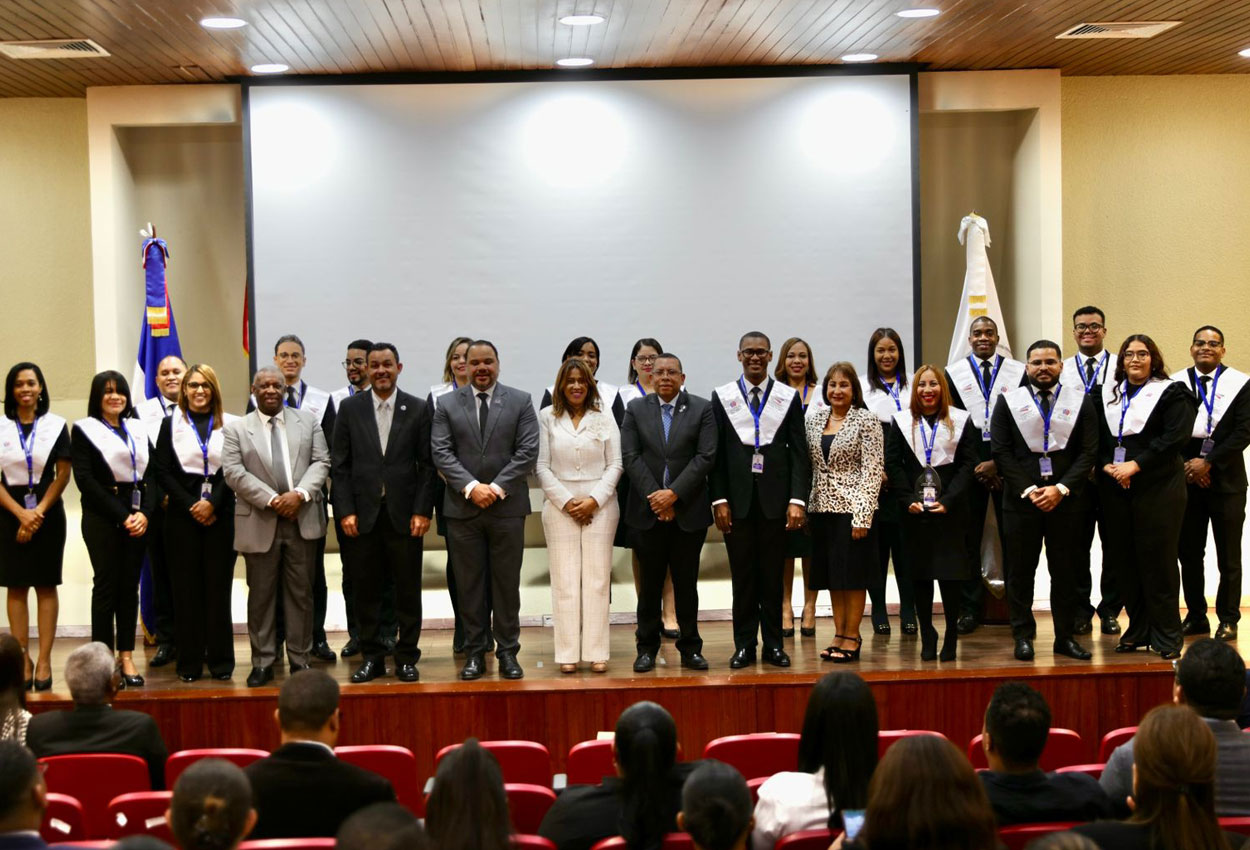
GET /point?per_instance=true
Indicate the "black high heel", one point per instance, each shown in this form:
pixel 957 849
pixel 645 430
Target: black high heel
pixel 42 684
pixel 846 656
pixel 928 643
pixel 127 681
pixel 949 645
pixel 30 680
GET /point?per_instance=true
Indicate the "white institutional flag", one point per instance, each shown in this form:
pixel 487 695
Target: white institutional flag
pixel 979 297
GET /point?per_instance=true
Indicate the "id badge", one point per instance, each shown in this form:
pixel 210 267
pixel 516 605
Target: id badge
pixel 985 435
pixel 1208 445
pixel 1119 455
pixel 206 490
pixel 928 497
pixel 30 500
pixel 757 463
pixel 136 499
pixel 1048 468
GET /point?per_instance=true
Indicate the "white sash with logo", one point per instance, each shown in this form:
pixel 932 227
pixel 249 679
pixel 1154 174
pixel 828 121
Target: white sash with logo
pixel 880 401
pixel 1073 374
pixel 1226 389
pixel 115 449
pixel 1065 408
pixel 1139 410
pixel 967 386
pixel 315 401
pixel 151 412
pixel 438 391
pixel 945 441
pixel 12 456
pixel 772 413
pixel 342 394
pixel 187 445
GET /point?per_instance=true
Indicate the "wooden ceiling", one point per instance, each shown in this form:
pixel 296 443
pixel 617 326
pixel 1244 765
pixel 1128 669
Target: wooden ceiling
pixel 161 41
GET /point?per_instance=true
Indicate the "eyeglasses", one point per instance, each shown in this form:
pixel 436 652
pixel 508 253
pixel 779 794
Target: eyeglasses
pixel 290 355
pixel 199 385
pixel 1136 355
pixel 358 362
pixel 1092 326
pixel 754 352
pixel 1208 343
pixel 646 358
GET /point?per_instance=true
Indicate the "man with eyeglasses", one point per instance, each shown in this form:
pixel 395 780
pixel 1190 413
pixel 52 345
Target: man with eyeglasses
pixel 759 486
pixel 1215 475
pixel 1090 368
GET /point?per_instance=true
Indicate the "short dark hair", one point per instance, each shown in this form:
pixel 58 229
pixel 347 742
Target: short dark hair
pixel 983 319
pixel 847 370
pixel 288 338
pixel 1213 678
pixel 1209 328
pixel 360 345
pixel 1018 723
pixel 210 805
pixel 307 700
pixel 10 398
pixel 1044 343
pixel 18 774
pixel 716 805
pixel 475 343
pixel 383 346
pixel 1089 310
pixel 381 826
pixel 95 399
pixel 754 334
pixel 668 355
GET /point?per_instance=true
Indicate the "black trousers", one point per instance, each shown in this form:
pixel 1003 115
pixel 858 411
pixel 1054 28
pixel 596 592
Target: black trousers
pixel 952 593
pixel 1025 529
pixel 1110 604
pixel 162 625
pixel 757 553
pixel 488 551
pixel 116 561
pixel 387 553
pixel 973 596
pixel 201 561
pixel 1225 513
pixel 348 558
pixel 663 548
pixel 890 544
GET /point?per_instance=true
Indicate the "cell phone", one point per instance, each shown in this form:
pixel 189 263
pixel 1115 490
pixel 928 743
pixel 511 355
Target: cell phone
pixel 852 822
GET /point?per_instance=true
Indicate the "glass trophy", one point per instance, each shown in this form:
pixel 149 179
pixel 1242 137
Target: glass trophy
pixel 929 486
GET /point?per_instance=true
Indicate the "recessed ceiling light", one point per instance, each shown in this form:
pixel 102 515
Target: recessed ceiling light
pixel 270 68
pixel 919 13
pixel 222 23
pixel 1245 53
pixel 575 62
pixel 582 20
pixel 859 57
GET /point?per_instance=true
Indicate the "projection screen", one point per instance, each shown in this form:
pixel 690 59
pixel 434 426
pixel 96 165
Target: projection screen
pixel 530 213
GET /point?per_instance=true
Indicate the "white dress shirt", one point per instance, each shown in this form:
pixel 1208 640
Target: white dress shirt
pixel 278 420
pixel 789 802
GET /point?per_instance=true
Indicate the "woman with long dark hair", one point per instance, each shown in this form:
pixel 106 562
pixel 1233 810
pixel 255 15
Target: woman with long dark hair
pixel 14 717
pixel 796 367
pixel 468 809
pixel 211 806
pixel 585 349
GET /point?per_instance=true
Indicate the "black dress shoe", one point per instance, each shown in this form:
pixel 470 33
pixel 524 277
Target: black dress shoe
pixel 928 644
pixel 742 658
pixel 508 666
pixel 644 663
pixel 671 634
pixel 777 657
pixel 966 625
pixel 1110 626
pixel 1226 631
pixel 1024 649
pixel 259 676
pixel 1170 655
pixel 474 667
pixel 292 667
pixel 371 669
pixel 351 648
pixel 1129 646
pixel 910 628
pixel 189 677
pixel 1196 626
pixel 694 661
pixel 223 677
pixel 881 628
pixel 1082 626
pixel 46 684
pixel 1072 649
pixel 407 672
pixel 135 681
pixel 322 652
pixel 165 653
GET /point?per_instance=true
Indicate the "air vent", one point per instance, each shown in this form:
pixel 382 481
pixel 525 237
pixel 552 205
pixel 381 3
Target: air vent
pixel 62 48
pixel 1119 29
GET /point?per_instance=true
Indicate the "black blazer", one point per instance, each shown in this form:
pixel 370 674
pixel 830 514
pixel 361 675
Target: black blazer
pixel 1019 466
pixel 1231 436
pixel 99 729
pixel 787 467
pixel 690 454
pixel 902 468
pixel 182 487
pixel 359 469
pixel 303 791
pixel 101 494
pixel 1157 449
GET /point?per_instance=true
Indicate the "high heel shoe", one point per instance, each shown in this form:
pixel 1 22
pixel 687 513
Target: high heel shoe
pixel 128 681
pixel 949 645
pixel 928 643
pixel 42 684
pixel 909 628
pixel 846 656
pixel 30 680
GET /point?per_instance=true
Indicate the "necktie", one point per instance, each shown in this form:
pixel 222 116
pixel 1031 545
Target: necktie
pixel 482 411
pixel 275 457
pixel 384 423
pixel 1205 380
pixel 1044 395
pixel 1091 368
pixel 985 373
pixel 666 417
pixel 290 397
pixel 755 399
pixel 169 409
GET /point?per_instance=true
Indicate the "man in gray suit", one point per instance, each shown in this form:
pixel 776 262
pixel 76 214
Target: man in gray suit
pixel 278 517
pixel 485 444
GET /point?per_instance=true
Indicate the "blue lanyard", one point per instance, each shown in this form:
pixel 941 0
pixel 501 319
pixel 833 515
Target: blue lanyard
pixel 805 389
pixel 1207 402
pixel 1125 401
pixel 1091 382
pixel 203 443
pixel 742 388
pixel 1047 414
pixel 29 449
pixel 641 391
pixel 893 391
pixel 986 390
pixel 929 442
pixel 123 434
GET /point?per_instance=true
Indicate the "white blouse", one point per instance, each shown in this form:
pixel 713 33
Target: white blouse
pixel 589 452
pixel 789 802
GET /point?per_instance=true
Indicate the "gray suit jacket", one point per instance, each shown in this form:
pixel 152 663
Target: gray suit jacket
pixel 245 464
pixel 505 457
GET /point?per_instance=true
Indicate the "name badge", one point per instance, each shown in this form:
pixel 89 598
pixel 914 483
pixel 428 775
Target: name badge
pixel 757 463
pixel 30 500
pixel 136 499
pixel 928 497
pixel 985 435
pixel 206 490
pixel 1119 454
pixel 1208 445
pixel 1047 467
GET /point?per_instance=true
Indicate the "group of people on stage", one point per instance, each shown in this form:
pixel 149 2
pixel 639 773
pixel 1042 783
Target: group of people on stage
pixel 841 473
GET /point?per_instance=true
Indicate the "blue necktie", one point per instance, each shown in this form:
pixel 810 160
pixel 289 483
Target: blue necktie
pixel 666 416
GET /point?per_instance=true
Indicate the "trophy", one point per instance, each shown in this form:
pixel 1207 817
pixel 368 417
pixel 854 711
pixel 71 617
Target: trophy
pixel 929 486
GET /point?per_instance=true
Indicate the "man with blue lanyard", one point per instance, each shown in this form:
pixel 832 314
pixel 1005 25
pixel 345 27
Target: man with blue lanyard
pixel 1215 476
pixel 1044 441
pixel 759 486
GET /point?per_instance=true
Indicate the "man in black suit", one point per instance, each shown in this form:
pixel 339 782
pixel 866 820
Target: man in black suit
pixel 93 726
pixel 760 484
pixel 1215 472
pixel 668 447
pixel 384 492
pixel 302 790
pixel 1045 439
pixel 23 799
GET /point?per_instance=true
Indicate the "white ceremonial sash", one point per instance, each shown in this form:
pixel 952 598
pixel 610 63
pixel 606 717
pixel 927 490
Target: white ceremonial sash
pixel 13 457
pixel 1226 389
pixel 1065 407
pixel 115 450
pixel 945 442
pixel 1073 374
pixel 314 401
pixel 880 401
pixel 151 412
pixel 772 413
pixel 1139 410
pixel 968 387
pixel 438 391
pixel 187 445
pixel 342 394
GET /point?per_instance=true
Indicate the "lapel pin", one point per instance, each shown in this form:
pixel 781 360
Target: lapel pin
pixel 403 407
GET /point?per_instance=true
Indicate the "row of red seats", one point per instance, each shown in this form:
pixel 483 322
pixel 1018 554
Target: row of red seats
pixel 519 842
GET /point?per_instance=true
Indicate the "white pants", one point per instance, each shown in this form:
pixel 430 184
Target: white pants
pixel 580 557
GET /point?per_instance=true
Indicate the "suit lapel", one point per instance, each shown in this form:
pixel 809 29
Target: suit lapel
pixel 496 411
pixel 468 405
pixel 399 407
pixel 373 423
pixel 260 446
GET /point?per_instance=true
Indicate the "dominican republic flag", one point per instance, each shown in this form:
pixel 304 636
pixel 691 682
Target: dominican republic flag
pixel 158 335
pixel 980 296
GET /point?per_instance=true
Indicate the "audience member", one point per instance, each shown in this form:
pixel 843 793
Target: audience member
pixel 837 756
pixel 211 807
pixel 716 808
pixel 381 826
pixel 142 841
pixel 1017 724
pixel 1062 841
pixel 641 802
pixel 1210 679
pixel 23 798
pixel 468 809
pixel 304 767
pixel 14 718
pixel 93 725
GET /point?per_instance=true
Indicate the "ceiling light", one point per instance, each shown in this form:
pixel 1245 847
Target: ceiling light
pixel 222 23
pixel 918 13
pixel 859 57
pixel 1245 53
pixel 575 62
pixel 270 68
pixel 582 20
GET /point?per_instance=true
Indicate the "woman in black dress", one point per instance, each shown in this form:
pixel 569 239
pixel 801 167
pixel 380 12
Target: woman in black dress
pixel 1146 419
pixel 930 433
pixel 199 526
pixel 796 368
pixel 34 460
pixel 110 460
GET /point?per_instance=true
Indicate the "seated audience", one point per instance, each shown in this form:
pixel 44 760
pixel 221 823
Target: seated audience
pixel 1210 679
pixel 93 725
pixel 1173 801
pixel 837 755
pixel 23 798
pixel 924 795
pixel 716 808
pixel 641 802
pixel 1017 724
pixel 14 718
pixel 1062 841
pixel 302 790
pixel 381 826
pixel 211 807
pixel 468 809
pixel 141 842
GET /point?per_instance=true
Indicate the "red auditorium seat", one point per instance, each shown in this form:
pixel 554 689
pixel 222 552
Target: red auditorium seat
pixel 672 841
pixel 1113 739
pixel 1018 837
pixel 94 779
pixel 397 764
pixel 63 820
pixel 888 737
pixel 760 754
pixel 106 844
pixel 531 842
pixel 289 844
pixel 520 761
pixel 181 760
pixel 1064 747
pixel 753 785
pixel 528 804
pixel 808 839
pixel 1241 826
pixel 1094 770
pixel 140 813
pixel 589 762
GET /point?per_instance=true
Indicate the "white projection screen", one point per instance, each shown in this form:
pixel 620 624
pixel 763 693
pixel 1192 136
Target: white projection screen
pixel 533 212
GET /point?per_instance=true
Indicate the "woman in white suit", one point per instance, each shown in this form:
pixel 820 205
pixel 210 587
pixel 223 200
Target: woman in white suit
pixel 579 464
